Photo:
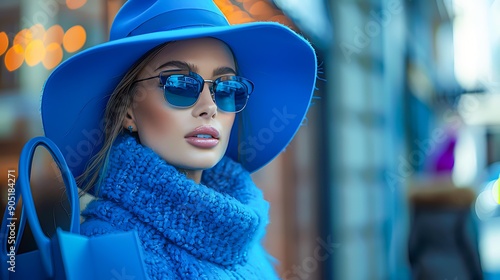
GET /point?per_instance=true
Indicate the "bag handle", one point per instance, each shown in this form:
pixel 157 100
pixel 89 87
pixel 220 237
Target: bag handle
pixel 23 183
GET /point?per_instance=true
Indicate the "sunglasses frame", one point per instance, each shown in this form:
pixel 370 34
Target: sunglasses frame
pixel 162 77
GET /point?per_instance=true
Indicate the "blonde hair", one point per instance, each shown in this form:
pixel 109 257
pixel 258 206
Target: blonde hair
pixel 116 109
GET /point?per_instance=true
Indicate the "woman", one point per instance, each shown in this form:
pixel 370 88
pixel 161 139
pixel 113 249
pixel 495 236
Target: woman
pixel 164 124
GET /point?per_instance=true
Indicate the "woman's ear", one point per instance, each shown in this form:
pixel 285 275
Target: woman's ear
pixel 129 121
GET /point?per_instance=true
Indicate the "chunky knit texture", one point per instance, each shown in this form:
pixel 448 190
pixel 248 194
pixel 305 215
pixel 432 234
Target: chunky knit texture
pixel 210 230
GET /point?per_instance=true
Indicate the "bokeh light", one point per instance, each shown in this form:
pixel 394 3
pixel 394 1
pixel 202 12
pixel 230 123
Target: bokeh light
pixel 53 56
pixel 262 10
pixel 243 11
pixel 54 34
pixel 226 8
pixel 35 44
pixel 14 57
pixel 23 37
pixel 282 19
pixel 74 38
pixel 4 42
pixel 35 52
pixel 75 4
pixel 37 31
pixel 239 17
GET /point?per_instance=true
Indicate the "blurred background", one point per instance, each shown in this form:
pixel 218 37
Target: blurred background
pixel 392 175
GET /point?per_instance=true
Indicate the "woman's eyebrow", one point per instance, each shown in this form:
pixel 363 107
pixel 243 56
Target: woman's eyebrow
pixel 178 64
pixel 223 71
pixel 219 71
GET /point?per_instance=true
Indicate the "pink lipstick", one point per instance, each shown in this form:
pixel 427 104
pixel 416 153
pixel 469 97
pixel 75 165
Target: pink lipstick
pixel 204 137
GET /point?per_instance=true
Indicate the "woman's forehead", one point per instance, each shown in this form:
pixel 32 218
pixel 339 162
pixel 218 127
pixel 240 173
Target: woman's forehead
pixel 193 55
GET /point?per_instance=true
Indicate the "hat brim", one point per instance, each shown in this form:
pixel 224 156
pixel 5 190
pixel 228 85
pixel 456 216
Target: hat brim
pixel 281 64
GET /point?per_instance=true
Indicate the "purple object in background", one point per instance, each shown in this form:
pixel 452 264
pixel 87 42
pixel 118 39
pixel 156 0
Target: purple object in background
pixel 445 158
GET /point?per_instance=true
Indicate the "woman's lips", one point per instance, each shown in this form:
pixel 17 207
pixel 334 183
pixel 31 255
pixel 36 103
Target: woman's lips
pixel 203 137
pixel 204 143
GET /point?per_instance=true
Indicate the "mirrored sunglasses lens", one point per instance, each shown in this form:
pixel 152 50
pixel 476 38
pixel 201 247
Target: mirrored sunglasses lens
pixel 231 96
pixel 181 90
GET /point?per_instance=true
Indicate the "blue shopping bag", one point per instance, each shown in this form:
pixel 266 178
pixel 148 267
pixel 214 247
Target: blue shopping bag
pixel 67 255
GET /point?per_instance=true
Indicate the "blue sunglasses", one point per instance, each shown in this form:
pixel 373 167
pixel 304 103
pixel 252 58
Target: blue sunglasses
pixel 182 88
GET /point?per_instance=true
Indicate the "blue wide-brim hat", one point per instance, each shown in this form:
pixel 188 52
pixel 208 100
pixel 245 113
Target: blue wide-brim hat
pixel 281 64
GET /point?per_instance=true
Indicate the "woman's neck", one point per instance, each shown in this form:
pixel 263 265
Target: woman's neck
pixel 194 175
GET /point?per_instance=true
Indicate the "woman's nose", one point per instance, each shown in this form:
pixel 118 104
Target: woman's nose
pixel 205 106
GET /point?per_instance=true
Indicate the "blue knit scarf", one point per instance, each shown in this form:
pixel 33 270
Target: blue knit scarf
pixel 210 230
